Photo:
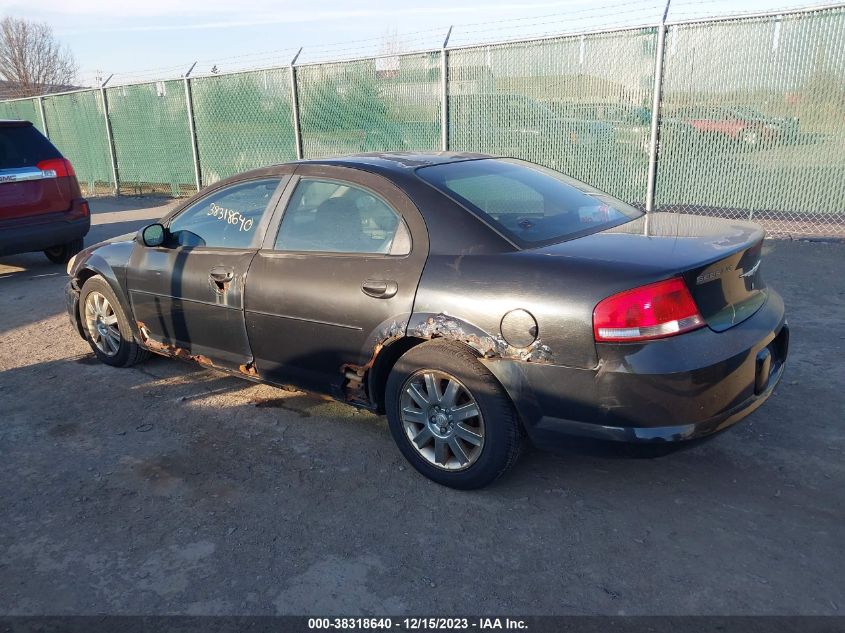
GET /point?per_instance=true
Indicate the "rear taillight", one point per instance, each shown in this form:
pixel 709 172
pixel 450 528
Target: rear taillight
pixel 79 209
pixel 654 311
pixel 56 168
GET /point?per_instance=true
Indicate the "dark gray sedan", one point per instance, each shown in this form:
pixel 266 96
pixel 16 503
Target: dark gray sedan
pixel 474 300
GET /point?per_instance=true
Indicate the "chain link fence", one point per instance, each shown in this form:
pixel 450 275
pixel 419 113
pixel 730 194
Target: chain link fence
pixel 242 122
pixel 76 126
pixel 753 121
pixel 26 109
pixel 388 103
pixel 152 138
pixel 750 123
pixel 576 104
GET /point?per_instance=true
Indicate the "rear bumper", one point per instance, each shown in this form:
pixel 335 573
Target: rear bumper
pixel 671 390
pixel 41 232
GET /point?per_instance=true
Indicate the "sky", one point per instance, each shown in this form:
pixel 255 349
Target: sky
pixel 155 39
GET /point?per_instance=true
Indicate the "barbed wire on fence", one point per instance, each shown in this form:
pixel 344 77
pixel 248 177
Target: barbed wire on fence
pixel 750 122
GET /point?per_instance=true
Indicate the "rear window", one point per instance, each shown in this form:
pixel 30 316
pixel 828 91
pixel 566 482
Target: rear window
pixel 529 204
pixel 24 146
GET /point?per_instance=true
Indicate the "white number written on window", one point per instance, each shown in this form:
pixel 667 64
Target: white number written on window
pixel 230 216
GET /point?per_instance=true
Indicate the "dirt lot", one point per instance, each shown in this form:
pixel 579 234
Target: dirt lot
pixel 171 489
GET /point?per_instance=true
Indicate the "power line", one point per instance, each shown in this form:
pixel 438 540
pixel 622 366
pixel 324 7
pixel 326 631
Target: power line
pixel 563 23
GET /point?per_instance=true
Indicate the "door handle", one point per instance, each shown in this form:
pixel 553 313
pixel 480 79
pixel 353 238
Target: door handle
pixel 380 288
pixel 220 277
pixel 221 274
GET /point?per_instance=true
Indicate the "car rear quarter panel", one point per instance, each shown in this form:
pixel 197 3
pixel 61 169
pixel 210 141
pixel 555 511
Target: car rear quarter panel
pixel 476 291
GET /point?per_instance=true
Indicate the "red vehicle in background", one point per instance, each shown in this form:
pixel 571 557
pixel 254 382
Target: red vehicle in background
pixel 41 205
pixel 739 123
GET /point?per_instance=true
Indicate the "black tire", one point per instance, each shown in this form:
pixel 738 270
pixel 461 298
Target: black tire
pixel 62 253
pixel 128 352
pixel 503 436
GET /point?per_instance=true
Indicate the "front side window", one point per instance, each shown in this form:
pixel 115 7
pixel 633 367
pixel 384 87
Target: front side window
pixel 228 218
pixel 529 204
pixel 338 217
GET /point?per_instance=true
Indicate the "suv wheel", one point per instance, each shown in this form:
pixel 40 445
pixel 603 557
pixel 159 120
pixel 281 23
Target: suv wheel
pixel 450 417
pixel 61 254
pixel 106 327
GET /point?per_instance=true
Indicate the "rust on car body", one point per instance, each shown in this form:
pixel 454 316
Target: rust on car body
pixel 248 369
pixel 355 375
pixel 488 346
pixel 166 349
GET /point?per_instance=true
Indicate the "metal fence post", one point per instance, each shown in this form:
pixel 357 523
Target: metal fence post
pixel 444 93
pixel 43 118
pixel 654 141
pixel 294 106
pixel 189 104
pixel 110 138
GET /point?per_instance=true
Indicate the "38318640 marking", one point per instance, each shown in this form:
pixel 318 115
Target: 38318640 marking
pixel 230 216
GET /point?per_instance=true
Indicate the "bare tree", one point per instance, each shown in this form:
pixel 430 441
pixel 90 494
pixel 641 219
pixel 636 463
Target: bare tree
pixel 32 59
pixel 391 47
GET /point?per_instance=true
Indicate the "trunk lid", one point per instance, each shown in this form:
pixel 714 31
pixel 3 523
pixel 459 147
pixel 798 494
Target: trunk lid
pixel 718 259
pixel 729 290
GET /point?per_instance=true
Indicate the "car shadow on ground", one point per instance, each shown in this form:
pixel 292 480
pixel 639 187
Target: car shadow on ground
pixel 159 457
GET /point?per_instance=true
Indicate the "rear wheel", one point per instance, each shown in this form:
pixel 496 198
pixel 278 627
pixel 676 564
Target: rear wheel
pixel 106 327
pixel 450 417
pixel 62 253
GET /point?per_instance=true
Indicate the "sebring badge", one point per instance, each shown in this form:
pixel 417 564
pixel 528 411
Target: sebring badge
pixel 712 275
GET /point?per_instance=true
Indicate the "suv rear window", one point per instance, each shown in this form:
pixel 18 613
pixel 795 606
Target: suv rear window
pixel 24 146
pixel 529 204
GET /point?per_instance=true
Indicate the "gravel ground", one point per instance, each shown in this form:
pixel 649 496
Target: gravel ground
pixel 170 489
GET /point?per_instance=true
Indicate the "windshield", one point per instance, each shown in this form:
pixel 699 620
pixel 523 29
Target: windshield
pixel 529 204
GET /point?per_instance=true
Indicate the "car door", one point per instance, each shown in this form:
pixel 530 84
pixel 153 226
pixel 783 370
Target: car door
pixel 337 278
pixel 188 293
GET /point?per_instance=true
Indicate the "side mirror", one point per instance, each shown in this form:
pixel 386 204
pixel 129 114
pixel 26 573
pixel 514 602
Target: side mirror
pixel 153 235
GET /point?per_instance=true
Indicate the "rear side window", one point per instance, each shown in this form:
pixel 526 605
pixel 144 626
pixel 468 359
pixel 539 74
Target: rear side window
pixel 24 146
pixel 529 204
pixel 338 217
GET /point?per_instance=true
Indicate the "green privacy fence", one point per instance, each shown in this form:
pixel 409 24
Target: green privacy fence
pixel 77 122
pixel 26 109
pixel 243 121
pixel 762 136
pixel 577 104
pixel 370 105
pixel 152 138
pixel 740 117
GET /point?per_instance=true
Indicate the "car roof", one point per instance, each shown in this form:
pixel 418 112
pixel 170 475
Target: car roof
pixel 396 161
pixel 14 123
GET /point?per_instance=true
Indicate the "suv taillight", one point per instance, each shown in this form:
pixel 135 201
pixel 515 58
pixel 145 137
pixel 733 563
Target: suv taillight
pixel 60 167
pixel 654 311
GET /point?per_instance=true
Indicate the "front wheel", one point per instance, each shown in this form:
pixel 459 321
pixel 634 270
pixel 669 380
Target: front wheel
pixel 106 326
pixel 450 417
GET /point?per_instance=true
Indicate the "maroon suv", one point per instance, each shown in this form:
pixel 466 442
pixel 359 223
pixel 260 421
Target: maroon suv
pixel 41 206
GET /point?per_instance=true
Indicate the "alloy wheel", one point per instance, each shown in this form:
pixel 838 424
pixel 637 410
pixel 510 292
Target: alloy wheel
pixel 442 420
pixel 101 323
